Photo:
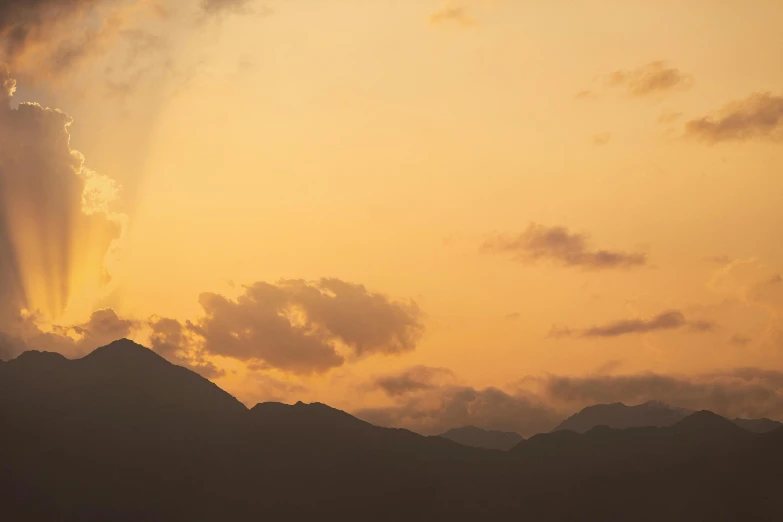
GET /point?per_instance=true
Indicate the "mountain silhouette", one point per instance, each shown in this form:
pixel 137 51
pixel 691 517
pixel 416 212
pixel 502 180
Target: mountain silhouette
pixel 124 435
pixel 478 438
pixel 651 413
pixel 763 425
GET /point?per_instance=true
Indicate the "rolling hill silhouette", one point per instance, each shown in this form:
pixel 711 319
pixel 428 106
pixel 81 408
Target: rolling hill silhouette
pixel 652 413
pixel 488 439
pixel 123 435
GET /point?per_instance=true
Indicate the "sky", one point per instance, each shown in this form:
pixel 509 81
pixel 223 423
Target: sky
pixel 429 214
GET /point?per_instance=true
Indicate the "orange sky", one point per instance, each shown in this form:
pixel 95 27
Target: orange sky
pixel 524 189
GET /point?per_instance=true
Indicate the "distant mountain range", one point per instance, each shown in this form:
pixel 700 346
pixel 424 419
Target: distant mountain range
pixel 478 438
pixel 123 435
pixel 652 413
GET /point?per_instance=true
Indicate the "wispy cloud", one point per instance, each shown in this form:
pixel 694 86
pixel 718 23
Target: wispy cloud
pixel 451 13
pixel 650 79
pixel 757 117
pixel 559 245
pixel 668 320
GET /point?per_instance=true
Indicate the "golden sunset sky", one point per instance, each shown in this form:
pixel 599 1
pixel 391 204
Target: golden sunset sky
pixel 429 214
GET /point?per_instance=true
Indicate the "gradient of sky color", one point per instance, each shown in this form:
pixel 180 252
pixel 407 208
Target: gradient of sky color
pixel 412 147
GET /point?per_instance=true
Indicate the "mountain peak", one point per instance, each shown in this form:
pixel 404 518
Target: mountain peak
pixel 705 421
pixel 35 355
pixel 124 350
pixel 620 416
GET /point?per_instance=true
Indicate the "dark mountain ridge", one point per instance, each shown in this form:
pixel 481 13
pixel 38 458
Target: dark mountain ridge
pixel 652 413
pixel 123 435
pixel 480 438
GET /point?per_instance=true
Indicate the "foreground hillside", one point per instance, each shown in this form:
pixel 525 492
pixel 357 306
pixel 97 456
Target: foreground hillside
pixel 123 435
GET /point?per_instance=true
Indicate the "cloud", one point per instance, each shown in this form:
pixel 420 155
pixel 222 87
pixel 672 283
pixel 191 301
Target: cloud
pixel 294 326
pixel 216 7
pixel 668 320
pixel 51 36
pixel 669 117
pixel 440 409
pixel 452 14
pixel 743 392
pixel 25 332
pixel 757 117
pixel 585 94
pixel 602 138
pixel 261 387
pixel 740 340
pixel 367 322
pixel 260 326
pixel 654 78
pixel 540 403
pixel 411 380
pixel 557 332
pixel 48 38
pixel 559 245
pixel 57 231
pixel 172 341
pixel 514 316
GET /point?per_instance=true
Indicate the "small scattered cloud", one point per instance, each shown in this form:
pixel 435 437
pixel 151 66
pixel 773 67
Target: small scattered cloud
pixel 740 340
pixel 757 117
pixel 585 94
pixel 559 331
pixel 651 79
pixel 602 138
pixel 241 7
pixel 561 246
pixel 451 13
pixel 720 260
pixel 513 317
pixel 668 320
pixel 669 117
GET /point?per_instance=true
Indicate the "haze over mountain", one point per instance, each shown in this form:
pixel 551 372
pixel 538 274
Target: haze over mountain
pixel 124 435
pixel 480 438
pixel 651 413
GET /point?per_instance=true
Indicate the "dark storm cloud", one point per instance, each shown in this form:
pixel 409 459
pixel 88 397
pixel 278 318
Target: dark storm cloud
pixel 654 78
pixel 668 320
pixel 757 117
pixel 296 326
pixel 743 392
pixel 414 379
pixel 559 245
